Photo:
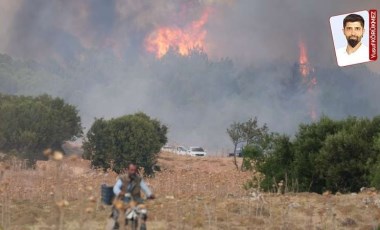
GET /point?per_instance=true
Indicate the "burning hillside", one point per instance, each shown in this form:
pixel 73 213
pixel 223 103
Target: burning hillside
pixel 182 40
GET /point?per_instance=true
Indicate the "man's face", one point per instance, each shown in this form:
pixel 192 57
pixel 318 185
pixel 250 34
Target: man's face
pixel 132 170
pixel 353 32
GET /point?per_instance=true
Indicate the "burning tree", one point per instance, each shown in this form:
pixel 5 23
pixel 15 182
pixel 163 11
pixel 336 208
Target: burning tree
pixel 307 73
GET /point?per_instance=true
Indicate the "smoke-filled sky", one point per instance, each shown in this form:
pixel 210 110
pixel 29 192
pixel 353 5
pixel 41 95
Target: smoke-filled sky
pixel 244 29
pixel 251 48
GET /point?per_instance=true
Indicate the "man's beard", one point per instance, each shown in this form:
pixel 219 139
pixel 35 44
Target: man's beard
pixel 353 42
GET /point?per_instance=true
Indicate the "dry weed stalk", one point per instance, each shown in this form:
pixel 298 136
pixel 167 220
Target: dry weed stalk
pixel 87 204
pixel 5 204
pixel 59 198
pixel 208 214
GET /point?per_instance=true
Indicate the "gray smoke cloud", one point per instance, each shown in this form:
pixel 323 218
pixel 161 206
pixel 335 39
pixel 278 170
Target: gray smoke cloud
pixel 95 51
pixel 252 31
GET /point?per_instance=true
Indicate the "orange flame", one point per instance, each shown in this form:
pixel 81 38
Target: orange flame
pixel 181 40
pixel 311 81
pixel 303 60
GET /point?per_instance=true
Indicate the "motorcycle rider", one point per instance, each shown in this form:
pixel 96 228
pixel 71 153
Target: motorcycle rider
pixel 130 182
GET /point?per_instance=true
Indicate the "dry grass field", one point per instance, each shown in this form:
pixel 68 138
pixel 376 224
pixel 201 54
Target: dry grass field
pixel 192 193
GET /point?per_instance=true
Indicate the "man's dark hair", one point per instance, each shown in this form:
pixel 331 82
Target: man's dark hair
pixel 353 18
pixel 131 163
pixel 134 164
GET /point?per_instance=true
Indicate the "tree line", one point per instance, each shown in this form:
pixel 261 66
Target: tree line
pixel 335 155
pixel 29 125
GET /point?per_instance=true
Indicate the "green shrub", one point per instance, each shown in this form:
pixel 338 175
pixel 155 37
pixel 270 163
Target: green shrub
pixel 28 125
pixel 132 138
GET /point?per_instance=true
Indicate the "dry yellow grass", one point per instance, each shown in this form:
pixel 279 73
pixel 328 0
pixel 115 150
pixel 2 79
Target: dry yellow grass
pixel 192 193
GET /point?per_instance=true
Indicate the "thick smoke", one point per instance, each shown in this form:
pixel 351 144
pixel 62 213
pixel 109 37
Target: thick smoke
pixel 95 51
pixel 64 29
pixel 253 31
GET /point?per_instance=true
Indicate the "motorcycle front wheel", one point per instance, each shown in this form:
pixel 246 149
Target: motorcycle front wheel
pixel 134 224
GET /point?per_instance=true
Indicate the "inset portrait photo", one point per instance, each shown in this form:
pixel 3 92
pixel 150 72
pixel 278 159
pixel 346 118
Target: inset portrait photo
pixel 351 34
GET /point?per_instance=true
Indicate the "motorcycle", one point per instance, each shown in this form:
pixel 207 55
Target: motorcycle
pixel 134 214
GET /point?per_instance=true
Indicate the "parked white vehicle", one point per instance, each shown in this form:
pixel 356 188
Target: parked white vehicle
pixel 168 148
pixel 196 151
pixel 181 150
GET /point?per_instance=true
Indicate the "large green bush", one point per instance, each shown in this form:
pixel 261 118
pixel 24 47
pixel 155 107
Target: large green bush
pixel 277 164
pixel 132 138
pixel 28 125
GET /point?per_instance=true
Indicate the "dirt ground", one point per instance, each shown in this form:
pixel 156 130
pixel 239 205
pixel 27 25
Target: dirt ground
pixel 192 193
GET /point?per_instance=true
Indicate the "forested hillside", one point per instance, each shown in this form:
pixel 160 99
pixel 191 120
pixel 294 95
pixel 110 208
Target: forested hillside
pixel 186 92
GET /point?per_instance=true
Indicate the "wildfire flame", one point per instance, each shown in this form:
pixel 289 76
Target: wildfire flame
pixel 303 60
pixel 308 78
pixel 182 40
